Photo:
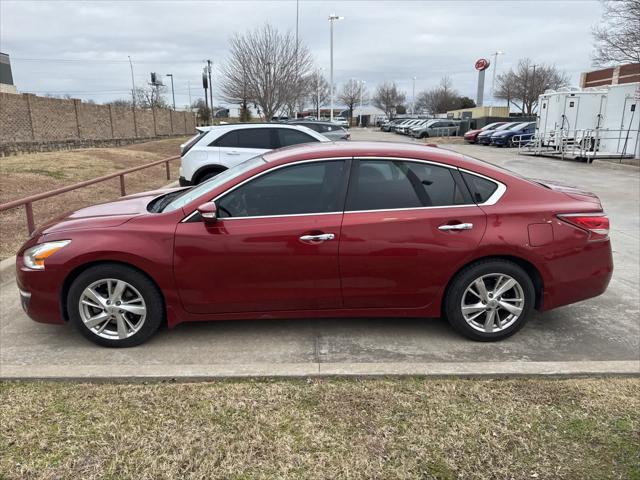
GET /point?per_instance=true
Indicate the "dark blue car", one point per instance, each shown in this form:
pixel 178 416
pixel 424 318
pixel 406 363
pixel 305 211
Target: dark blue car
pixel 484 138
pixel 514 136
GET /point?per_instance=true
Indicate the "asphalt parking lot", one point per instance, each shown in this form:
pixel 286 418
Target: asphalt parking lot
pixel 599 335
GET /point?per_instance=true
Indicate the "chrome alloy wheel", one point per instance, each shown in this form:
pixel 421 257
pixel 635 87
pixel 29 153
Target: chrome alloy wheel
pixel 492 303
pixel 113 309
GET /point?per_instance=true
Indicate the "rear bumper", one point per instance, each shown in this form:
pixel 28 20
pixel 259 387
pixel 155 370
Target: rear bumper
pixel 580 276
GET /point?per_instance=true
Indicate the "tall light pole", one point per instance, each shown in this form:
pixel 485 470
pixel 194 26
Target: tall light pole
pixel 413 97
pixel 495 67
pixel 318 79
pixel 173 93
pixel 333 17
pixel 362 82
pixel 133 84
pixel 210 88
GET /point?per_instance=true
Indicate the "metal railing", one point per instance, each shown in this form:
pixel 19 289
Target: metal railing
pixel 27 202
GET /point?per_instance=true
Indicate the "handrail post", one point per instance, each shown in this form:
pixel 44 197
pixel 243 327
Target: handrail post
pixel 31 226
pixel 122 190
pixel 166 164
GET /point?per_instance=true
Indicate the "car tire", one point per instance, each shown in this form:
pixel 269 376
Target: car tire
pixel 129 310
pixel 489 321
pixel 208 176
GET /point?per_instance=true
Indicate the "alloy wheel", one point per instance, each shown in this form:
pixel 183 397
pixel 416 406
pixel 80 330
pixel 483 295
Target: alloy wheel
pixel 492 303
pixel 112 309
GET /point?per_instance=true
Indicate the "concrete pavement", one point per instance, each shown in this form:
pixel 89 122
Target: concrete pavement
pixel 598 336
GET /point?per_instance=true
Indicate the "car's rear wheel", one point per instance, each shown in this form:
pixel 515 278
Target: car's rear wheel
pixel 115 305
pixel 490 300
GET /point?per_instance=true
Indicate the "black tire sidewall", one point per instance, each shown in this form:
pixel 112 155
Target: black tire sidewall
pixel 147 288
pixel 464 278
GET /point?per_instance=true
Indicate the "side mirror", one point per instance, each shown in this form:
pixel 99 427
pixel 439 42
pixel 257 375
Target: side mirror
pixel 208 212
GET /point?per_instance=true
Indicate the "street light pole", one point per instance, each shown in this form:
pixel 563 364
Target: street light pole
pixel 133 84
pixel 173 94
pixel 362 82
pixel 332 18
pixel 495 67
pixel 413 97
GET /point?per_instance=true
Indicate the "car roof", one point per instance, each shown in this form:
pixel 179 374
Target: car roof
pixel 240 126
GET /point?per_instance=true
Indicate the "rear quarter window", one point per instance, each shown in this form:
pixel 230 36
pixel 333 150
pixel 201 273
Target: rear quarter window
pixel 481 189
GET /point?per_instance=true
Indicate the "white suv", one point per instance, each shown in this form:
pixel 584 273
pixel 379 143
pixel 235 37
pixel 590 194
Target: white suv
pixel 214 149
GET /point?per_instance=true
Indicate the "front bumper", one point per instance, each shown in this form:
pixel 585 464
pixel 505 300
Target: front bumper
pixel 40 293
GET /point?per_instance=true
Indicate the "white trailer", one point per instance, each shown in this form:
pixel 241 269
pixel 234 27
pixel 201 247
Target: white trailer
pixel 567 111
pixel 619 131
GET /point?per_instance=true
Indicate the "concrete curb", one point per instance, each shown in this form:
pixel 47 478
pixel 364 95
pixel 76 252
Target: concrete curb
pixel 301 370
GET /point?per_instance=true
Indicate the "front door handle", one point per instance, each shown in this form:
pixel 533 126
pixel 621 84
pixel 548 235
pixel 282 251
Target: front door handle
pixel 233 152
pixel 457 226
pixel 323 237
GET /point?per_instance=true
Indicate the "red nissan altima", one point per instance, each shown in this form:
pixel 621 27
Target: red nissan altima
pixel 324 230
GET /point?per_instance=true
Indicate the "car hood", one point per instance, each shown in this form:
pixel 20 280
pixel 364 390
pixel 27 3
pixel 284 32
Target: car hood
pixel 104 215
pixel 474 132
pixel 505 133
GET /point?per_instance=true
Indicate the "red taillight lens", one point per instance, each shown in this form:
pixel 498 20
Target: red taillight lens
pixel 597 224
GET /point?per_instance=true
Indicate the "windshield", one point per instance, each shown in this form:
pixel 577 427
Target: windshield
pixel 519 126
pixel 190 195
pixel 506 126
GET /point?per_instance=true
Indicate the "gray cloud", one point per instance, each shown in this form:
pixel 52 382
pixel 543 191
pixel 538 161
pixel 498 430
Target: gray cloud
pixel 377 41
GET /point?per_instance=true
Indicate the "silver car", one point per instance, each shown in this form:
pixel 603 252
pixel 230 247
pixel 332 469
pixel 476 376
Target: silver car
pixel 437 128
pixel 327 129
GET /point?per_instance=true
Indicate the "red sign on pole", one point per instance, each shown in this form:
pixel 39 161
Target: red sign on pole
pixel 482 64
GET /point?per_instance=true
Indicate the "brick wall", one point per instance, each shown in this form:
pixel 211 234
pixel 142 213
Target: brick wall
pixel 28 118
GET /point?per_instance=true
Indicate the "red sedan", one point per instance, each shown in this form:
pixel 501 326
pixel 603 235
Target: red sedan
pixel 472 135
pixel 326 230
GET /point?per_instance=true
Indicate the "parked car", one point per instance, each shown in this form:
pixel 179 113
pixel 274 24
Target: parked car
pixel 437 128
pixel 341 121
pixel 387 126
pixel 214 149
pixel 520 133
pixel 484 138
pixel 471 136
pixel 406 121
pixel 403 128
pixel 346 229
pixel 327 129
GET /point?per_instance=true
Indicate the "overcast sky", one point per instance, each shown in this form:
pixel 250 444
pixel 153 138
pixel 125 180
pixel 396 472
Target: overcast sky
pixel 81 48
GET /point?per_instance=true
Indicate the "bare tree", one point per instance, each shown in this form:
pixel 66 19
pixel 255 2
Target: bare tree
pixel 617 38
pixel 523 85
pixel 387 98
pixel 440 99
pixel 318 90
pixel 150 97
pixel 264 67
pixel 351 93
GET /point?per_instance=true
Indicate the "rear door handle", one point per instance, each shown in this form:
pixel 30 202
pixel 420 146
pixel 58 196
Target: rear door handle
pixel 232 153
pixel 323 237
pixel 457 226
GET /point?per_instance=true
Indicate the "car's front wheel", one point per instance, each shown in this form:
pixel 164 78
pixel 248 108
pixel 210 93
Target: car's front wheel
pixel 115 305
pixel 489 300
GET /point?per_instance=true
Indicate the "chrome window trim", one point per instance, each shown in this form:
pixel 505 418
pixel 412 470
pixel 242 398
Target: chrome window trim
pixel 492 200
pixel 495 196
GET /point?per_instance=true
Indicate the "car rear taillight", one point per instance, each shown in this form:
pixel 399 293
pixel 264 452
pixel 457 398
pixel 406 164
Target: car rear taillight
pixel 597 224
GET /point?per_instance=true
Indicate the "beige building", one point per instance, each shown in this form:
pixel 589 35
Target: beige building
pixel 479 112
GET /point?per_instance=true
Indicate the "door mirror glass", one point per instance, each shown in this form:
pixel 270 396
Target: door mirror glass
pixel 208 212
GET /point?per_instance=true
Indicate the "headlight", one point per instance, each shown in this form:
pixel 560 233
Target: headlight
pixel 35 256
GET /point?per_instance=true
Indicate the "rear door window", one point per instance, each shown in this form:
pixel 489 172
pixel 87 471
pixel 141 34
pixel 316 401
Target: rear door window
pixel 391 184
pixel 288 136
pixel 255 138
pixel 481 188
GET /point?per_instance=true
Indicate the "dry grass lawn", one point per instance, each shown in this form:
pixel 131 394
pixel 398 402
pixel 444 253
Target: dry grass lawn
pixel 323 429
pixel 29 174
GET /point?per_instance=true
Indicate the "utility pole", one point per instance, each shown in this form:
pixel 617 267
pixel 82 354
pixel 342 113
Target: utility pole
pixel 295 107
pixel 210 89
pixel 133 84
pixel 173 93
pixel 205 85
pixel 362 82
pixel 189 88
pixel 333 17
pixel 533 86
